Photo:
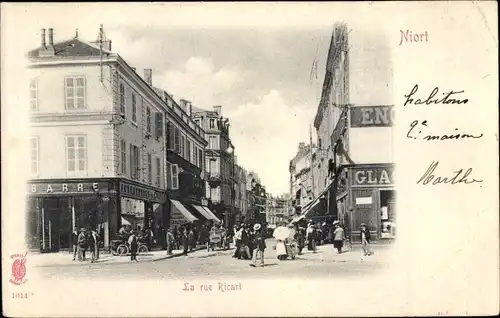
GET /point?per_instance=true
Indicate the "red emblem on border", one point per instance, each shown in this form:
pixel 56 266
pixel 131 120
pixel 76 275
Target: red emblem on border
pixel 18 269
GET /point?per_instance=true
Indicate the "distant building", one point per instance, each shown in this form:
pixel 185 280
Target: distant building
pixel 220 185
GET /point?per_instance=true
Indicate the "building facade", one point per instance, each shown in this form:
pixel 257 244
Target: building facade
pixel 240 185
pixel 354 129
pixel 97 144
pixel 220 185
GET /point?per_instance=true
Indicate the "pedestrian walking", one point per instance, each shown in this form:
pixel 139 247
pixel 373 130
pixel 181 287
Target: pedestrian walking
pixel 191 240
pixel 338 236
pixel 245 244
pixel 237 241
pixel 133 243
pixel 311 237
pixel 365 240
pixel 300 237
pixel 260 246
pixel 82 245
pixel 185 241
pixel 169 241
pixel 94 246
pixel 74 240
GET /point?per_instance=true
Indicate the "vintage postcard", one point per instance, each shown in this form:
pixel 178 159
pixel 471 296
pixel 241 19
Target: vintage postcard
pixel 250 159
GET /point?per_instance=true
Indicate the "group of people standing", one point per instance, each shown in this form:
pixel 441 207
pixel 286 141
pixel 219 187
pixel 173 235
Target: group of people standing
pixel 85 240
pixel 250 243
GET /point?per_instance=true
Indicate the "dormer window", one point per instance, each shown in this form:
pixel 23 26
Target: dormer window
pixel 212 123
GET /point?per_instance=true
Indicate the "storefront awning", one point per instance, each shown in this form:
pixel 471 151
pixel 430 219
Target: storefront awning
pixel 182 209
pixel 306 209
pixel 125 222
pixel 216 219
pixel 205 213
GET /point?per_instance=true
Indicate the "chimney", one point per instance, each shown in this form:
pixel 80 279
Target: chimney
pixel 182 104
pixel 148 76
pixel 218 110
pixel 51 37
pixel 189 109
pixel 44 44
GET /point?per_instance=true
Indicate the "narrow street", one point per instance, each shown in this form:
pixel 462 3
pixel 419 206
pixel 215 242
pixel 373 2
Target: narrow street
pixel 202 265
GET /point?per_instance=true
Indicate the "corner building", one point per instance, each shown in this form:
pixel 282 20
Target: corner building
pixel 97 145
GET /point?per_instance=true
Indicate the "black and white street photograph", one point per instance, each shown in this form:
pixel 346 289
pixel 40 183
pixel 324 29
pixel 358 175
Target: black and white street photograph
pixel 190 147
pixel 215 152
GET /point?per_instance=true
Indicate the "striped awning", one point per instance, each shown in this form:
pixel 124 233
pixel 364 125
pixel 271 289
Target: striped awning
pixel 203 212
pixel 182 209
pixel 216 219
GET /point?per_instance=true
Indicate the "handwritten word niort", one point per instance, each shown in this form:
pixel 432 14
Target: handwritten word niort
pixel 220 287
pixel 416 129
pixel 432 99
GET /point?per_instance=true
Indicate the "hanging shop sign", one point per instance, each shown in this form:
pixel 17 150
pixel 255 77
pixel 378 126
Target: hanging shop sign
pixel 69 187
pixel 372 176
pixel 372 116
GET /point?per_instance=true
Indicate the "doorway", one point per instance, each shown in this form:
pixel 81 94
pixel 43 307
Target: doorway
pixel 56 224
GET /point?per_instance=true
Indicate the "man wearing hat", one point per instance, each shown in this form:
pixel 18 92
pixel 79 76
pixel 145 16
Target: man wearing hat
pixel 338 236
pixel 260 246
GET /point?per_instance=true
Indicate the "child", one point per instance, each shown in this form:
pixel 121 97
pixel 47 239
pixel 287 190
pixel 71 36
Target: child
pixel 365 240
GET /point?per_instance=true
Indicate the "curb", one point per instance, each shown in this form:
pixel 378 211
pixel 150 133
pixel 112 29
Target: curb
pixel 114 262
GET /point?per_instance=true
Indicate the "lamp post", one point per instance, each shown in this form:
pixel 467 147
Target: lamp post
pixel 230 151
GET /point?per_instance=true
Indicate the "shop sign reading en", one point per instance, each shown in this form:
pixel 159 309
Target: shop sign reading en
pixel 372 116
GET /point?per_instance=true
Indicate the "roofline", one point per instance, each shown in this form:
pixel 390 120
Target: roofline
pixel 150 88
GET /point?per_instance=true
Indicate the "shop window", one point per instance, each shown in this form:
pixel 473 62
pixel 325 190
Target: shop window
pixel 76 154
pixel 34 95
pixel 33 219
pixel 74 93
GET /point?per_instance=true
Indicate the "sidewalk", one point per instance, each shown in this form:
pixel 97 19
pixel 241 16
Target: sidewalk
pixel 326 253
pixel 66 258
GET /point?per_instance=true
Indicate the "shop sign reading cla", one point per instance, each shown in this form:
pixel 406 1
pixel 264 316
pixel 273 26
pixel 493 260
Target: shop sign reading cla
pixel 374 176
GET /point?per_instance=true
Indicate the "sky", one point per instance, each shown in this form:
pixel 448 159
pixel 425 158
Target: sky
pixel 258 70
pixel 260 77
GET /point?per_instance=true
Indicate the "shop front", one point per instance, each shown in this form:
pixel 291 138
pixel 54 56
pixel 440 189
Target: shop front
pixel 57 207
pixel 370 199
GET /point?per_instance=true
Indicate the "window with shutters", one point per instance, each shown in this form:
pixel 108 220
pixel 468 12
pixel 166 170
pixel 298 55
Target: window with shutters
pixel 134 162
pixel 35 155
pixel 122 99
pixel 148 120
pixel 123 148
pixel 195 155
pixel 74 93
pixel 170 136
pixel 158 172
pixel 177 140
pixel 183 146
pixel 34 95
pixel 134 109
pixel 174 175
pixel 150 168
pixel 158 125
pixel 189 152
pixel 76 154
pixel 200 158
pixel 212 123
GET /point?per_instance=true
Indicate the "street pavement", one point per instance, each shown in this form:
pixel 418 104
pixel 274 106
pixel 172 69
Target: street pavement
pixel 206 265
